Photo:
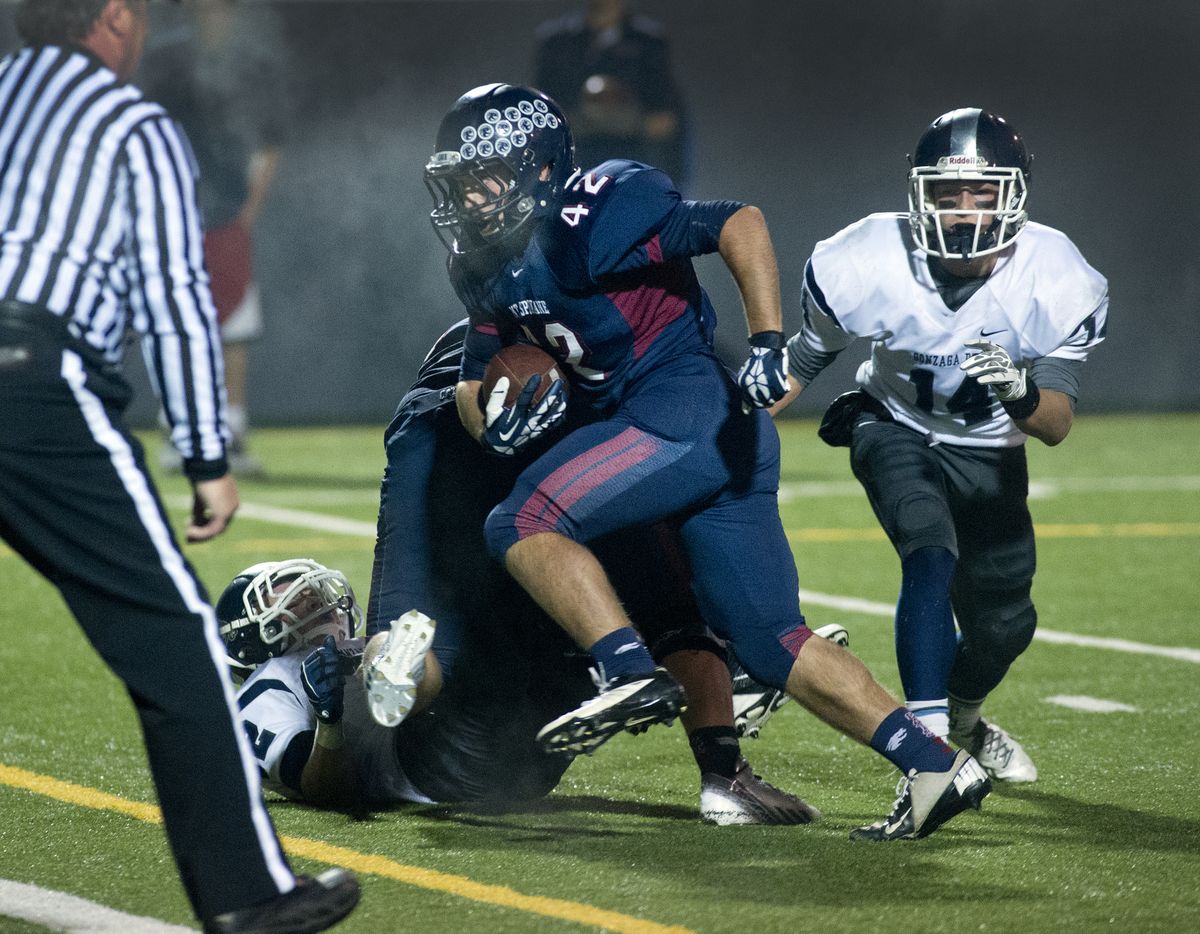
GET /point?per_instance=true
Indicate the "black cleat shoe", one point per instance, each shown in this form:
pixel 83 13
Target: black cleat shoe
pixel 747 799
pixel 623 704
pixel 315 904
pixel 929 799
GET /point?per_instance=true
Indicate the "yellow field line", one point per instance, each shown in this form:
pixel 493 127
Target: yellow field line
pixel 1044 530
pixel 320 851
pixel 1047 530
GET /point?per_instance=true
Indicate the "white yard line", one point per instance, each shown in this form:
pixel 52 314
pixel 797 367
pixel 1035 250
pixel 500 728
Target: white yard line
pixel 70 914
pixel 855 605
pixel 1090 704
pixel 1042 488
pixel 298 518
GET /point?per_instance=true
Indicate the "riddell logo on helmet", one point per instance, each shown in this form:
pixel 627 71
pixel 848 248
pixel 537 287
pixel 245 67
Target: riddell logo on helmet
pixel 960 160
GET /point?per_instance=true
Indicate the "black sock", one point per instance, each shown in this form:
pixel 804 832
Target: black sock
pixel 716 750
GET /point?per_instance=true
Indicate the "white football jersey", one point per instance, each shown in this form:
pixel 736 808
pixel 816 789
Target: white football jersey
pixel 870 281
pixel 274 710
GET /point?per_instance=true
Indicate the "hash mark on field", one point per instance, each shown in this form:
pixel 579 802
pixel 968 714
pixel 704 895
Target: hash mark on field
pixel 1090 704
pixel 70 914
pixel 498 895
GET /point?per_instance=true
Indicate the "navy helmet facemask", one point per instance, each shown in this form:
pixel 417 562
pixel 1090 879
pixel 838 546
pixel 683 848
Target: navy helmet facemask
pixel 486 173
pixel 968 145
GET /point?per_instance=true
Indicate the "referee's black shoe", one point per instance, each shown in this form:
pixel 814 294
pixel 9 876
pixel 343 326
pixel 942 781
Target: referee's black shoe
pixel 632 702
pixel 313 905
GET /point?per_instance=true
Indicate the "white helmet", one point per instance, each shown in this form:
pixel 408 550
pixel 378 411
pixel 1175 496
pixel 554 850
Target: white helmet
pixel 277 607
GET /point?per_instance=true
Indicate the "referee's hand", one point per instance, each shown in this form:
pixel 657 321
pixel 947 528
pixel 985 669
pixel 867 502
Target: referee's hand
pixel 213 504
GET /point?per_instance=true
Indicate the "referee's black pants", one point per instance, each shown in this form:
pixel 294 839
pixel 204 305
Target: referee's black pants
pixel 77 502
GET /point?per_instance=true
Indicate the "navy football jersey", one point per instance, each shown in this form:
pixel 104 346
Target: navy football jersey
pixel 436 378
pixel 606 285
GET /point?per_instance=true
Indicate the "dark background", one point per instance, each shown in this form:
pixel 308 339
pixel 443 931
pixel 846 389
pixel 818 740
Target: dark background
pixel 806 109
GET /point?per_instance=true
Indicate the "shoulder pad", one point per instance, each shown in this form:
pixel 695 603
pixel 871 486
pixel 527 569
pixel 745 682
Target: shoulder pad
pixel 606 212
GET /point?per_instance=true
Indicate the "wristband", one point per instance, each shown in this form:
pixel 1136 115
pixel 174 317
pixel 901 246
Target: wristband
pixel 329 736
pixel 772 340
pixel 1022 408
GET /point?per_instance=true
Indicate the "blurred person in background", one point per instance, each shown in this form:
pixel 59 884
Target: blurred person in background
pixel 219 68
pixel 610 71
pixel 980 323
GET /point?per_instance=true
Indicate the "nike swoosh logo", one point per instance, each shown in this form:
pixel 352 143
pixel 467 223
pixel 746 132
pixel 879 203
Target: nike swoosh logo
pixel 628 647
pixel 506 435
pixel 517 272
pixel 983 333
pixel 890 829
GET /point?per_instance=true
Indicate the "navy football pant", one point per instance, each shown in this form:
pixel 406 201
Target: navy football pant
pixel 77 503
pixel 680 448
pixel 972 502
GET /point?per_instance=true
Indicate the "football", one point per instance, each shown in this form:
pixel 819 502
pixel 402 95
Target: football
pixel 519 362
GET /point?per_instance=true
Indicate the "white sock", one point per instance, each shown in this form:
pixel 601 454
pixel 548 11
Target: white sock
pixel 963 716
pixel 935 714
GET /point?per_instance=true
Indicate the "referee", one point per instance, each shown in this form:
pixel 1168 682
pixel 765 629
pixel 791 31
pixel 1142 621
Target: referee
pixel 99 234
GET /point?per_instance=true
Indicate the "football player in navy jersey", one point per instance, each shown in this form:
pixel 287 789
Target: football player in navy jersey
pixel 980 322
pixel 595 268
pixel 491 671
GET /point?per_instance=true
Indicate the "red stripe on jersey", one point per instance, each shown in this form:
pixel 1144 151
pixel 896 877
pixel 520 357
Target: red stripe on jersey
pixel 651 306
pixel 580 476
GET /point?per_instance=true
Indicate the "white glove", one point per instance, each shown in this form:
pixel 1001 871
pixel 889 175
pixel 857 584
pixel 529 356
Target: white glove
pixel 992 366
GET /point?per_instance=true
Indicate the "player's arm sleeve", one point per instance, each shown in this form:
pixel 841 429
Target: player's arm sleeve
pixel 645 222
pixel 482 342
pixel 1060 369
pixel 820 338
pixel 170 292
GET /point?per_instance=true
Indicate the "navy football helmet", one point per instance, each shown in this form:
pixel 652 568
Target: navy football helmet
pixel 486 172
pixel 968 145
pixel 276 607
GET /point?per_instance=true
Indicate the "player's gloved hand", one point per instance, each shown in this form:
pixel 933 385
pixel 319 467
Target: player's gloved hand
pixel 510 428
pixel 763 378
pixel 992 366
pixel 323 674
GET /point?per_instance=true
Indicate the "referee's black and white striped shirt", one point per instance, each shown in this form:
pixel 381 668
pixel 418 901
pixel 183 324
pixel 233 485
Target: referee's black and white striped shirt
pixel 98 224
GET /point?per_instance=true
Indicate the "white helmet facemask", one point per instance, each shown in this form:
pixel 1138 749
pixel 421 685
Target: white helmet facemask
pixel 992 230
pixel 300 602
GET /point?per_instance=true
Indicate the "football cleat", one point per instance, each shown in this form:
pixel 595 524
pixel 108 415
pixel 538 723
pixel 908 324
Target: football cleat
pixel 395 666
pixel 834 633
pixel 753 703
pixel 632 702
pixel 926 800
pixel 1000 755
pixel 747 799
pixel 315 904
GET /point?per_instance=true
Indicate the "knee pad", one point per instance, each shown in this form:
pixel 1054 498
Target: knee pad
pixel 1002 628
pixel 921 520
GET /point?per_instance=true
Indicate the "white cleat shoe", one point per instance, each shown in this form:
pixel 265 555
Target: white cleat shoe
pixel 1000 755
pixel 834 633
pixel 394 665
pixel 926 800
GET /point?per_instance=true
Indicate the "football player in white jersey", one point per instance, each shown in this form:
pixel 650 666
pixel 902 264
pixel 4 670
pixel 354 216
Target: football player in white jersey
pixel 323 735
pixel 980 322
